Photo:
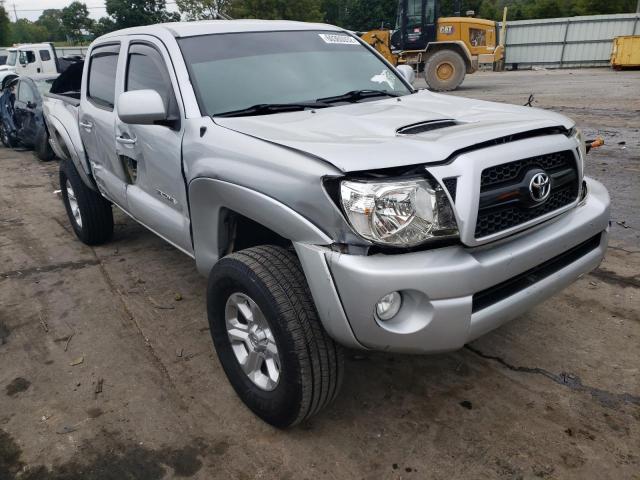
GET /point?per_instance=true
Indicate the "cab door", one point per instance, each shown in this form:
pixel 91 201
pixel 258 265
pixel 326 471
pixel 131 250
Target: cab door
pixel 25 111
pixel 152 154
pixel 97 121
pixel 29 63
pixel 417 21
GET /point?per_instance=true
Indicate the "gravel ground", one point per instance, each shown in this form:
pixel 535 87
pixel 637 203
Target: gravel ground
pixel 105 375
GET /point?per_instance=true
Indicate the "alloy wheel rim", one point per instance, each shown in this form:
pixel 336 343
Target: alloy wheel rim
pixel 73 203
pixel 252 341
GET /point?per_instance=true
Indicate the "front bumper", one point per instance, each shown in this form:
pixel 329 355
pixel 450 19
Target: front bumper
pixel 455 294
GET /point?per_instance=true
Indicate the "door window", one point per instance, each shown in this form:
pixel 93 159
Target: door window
pixel 45 56
pixel 25 93
pixel 26 56
pixel 101 89
pixel 146 70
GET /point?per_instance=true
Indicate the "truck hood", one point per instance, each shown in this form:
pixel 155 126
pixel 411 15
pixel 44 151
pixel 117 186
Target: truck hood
pixel 363 136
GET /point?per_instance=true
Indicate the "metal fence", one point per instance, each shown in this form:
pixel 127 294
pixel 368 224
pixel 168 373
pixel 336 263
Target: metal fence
pixel 566 42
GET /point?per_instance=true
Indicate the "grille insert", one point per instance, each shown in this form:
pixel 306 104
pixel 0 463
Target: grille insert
pixel 505 200
pixel 509 172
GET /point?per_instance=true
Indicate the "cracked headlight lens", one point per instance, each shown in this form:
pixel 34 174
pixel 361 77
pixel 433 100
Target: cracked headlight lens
pixel 398 213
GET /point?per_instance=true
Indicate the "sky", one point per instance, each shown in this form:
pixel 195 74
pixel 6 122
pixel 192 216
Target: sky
pixel 31 9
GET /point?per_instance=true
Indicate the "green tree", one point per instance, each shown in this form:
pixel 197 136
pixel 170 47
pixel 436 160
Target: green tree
pixel 363 15
pixel 5 27
pixel 303 10
pixel 51 20
pixel 75 21
pixel 593 7
pixel 203 9
pixel 103 26
pixel 133 13
pixel 25 31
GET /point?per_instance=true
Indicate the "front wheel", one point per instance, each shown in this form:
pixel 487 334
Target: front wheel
pixel 270 342
pixel 5 136
pixel 444 71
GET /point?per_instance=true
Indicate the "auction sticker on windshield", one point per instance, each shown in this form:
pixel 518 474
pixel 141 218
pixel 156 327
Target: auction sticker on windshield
pixel 339 39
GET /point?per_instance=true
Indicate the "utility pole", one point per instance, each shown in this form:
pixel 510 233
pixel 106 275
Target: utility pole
pixel 15 12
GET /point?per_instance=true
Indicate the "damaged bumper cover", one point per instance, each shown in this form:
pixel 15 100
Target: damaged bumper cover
pixel 455 294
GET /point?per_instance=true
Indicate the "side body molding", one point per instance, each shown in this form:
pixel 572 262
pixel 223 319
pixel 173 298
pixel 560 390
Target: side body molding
pixel 208 196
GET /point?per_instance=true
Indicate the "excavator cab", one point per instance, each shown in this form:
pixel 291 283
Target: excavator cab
pixel 416 24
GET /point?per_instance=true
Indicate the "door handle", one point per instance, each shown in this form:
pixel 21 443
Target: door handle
pixel 126 140
pixel 86 125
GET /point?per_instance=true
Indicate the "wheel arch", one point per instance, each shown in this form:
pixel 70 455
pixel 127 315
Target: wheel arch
pixel 63 146
pixel 218 207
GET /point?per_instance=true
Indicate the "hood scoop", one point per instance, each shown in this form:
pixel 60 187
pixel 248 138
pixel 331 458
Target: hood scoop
pixel 428 126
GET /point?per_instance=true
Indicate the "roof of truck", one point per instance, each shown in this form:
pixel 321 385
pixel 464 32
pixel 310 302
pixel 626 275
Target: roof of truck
pixel 206 27
pixel 18 46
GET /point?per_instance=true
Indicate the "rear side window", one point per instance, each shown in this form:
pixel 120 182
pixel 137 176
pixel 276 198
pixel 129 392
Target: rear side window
pixel 101 89
pixel 25 93
pixel 45 56
pixel 146 70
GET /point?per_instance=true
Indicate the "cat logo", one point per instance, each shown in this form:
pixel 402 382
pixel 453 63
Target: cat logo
pixel 446 29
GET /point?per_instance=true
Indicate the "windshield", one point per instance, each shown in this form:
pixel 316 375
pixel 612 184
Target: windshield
pixel 11 59
pixel 238 70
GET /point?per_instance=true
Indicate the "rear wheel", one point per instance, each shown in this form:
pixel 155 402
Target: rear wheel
pixel 270 342
pixel 89 213
pixel 43 150
pixel 444 70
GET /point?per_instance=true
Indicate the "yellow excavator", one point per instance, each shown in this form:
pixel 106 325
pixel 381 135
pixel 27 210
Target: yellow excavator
pixel 445 48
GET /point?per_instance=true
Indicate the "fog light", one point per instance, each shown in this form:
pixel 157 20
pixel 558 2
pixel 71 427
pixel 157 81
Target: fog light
pixel 388 306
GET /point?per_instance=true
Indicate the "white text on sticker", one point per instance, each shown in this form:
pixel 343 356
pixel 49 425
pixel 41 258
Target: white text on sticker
pixel 339 39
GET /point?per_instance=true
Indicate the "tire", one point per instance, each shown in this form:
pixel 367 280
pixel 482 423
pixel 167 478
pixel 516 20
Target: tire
pixel 444 71
pixel 43 150
pixel 89 213
pixel 311 363
pixel 6 137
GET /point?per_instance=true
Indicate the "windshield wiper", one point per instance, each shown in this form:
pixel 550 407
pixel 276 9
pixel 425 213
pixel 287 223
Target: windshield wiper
pixel 355 95
pixel 267 108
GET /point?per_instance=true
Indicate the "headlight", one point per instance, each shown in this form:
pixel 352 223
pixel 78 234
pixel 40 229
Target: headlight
pixel 398 213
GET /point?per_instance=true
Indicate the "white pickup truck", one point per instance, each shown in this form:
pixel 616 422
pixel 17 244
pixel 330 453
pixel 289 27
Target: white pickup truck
pixel 33 59
pixel 328 202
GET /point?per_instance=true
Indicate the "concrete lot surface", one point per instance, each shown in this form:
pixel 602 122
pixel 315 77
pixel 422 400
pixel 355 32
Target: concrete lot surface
pixel 104 374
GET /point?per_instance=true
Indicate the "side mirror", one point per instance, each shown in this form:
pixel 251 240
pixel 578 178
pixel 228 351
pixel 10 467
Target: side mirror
pixel 141 107
pixel 407 72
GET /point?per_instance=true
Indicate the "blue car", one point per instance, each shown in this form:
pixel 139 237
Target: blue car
pixel 21 119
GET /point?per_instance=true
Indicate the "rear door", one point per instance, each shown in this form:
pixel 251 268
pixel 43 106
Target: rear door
pixel 152 154
pixel 25 111
pixel 47 60
pixel 97 121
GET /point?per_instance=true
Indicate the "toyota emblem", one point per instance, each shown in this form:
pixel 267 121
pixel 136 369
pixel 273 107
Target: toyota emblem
pixel 540 187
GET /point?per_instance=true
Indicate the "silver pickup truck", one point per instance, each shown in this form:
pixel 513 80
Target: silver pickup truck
pixel 329 203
